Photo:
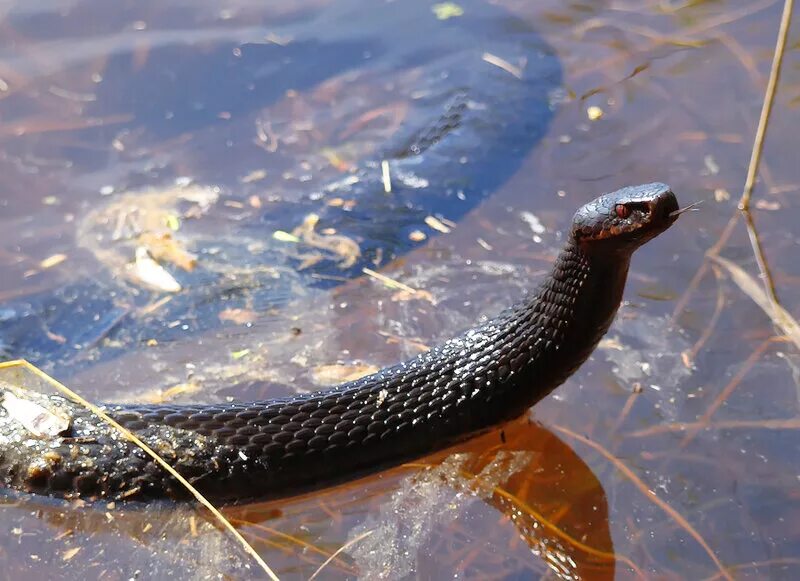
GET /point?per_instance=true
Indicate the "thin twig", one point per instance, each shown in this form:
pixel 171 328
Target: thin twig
pixel 787 424
pixel 728 389
pixel 766 108
pixel 709 330
pixel 756 565
pixel 755 158
pixel 344 547
pixel 761 260
pixel 291 539
pixel 701 272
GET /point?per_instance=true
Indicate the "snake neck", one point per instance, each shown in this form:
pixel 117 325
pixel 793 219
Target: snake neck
pixel 564 319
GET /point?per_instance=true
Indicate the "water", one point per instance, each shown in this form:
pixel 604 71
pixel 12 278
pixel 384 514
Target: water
pixel 221 125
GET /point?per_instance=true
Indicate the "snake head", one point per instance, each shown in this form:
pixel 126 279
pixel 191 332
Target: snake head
pixel 625 219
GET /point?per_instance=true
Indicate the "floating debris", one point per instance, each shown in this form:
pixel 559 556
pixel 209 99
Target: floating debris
pixel 151 273
pixel 503 64
pixel 447 10
pixel 254 176
pixel 40 421
pixel 386 177
pixel 536 225
pixel 70 553
pixel 344 248
pixel 722 195
pixel 438 225
pixel 594 113
pixel 52 261
pixel 767 205
pixel 241 353
pixel 404 295
pixel 285 236
pixel 712 167
pixel 483 244
pixel 172 222
pixel 389 282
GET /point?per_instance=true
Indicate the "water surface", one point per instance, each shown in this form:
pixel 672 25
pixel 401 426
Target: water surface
pixel 672 453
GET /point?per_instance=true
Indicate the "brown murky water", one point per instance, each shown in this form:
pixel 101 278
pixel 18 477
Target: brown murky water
pixel 672 453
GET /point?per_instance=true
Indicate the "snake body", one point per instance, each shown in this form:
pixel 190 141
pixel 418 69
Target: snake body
pixel 280 447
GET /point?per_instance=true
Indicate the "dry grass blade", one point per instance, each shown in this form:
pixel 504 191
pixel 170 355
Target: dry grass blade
pixel 755 154
pixel 766 108
pixel 344 547
pixel 651 496
pixel 749 286
pixel 290 539
pixel 149 451
pixel 389 282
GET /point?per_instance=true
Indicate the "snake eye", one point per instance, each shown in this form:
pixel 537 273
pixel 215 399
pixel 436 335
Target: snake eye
pixel 622 211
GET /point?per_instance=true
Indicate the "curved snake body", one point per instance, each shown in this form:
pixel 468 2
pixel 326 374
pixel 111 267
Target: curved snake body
pixel 241 451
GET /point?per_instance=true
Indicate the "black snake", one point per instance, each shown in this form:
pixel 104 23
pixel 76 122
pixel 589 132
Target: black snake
pixel 280 447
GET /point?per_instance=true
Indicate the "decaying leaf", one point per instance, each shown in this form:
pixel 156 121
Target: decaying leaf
pixel 151 273
pixel 70 553
pixel 164 248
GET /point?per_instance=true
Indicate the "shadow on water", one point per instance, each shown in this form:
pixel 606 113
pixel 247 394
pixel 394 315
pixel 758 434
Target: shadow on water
pixel 314 104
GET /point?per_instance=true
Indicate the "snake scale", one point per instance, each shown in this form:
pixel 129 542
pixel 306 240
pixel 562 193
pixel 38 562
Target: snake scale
pixel 244 451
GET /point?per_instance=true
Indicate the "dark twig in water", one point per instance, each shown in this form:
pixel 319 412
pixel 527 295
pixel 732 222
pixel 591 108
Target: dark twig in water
pixel 788 424
pixel 755 565
pixel 729 389
pixel 341 549
pixel 650 495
